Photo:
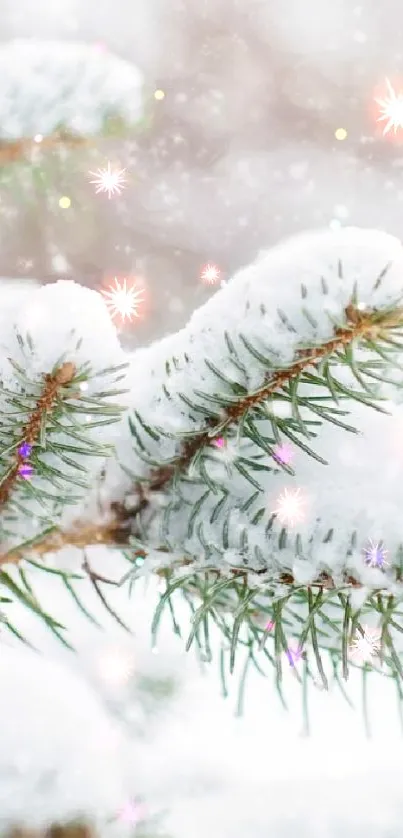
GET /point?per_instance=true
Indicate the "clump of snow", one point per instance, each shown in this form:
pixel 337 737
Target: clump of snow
pixel 266 305
pixel 186 756
pixel 44 85
pixel 62 322
pixel 49 770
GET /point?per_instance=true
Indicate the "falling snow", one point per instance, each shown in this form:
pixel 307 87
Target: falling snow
pixel 224 164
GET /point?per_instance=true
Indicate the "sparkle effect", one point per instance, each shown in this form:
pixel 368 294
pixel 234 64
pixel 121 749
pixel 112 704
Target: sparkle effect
pixel 391 109
pixel 375 554
pixel 294 655
pixel 289 509
pixel 109 180
pixel 132 813
pixel 25 471
pixel 123 300
pixel 364 647
pixel 115 666
pixel 210 274
pixel 25 450
pixel 220 442
pixel 284 453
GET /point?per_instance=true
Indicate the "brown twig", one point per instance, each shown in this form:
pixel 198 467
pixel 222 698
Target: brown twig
pixel 361 325
pixel 13 150
pixel 81 535
pixel 72 830
pixel 115 533
pixel 30 433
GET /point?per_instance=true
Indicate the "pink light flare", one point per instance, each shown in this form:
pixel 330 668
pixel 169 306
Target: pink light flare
pixel 210 274
pixel 269 626
pixel 290 507
pixel 132 813
pixel 25 470
pixel 220 442
pixel 284 453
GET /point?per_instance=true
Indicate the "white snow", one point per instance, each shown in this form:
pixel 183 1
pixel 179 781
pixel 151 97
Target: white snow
pixel 349 493
pixel 187 756
pixel 289 77
pixel 47 84
pixel 65 322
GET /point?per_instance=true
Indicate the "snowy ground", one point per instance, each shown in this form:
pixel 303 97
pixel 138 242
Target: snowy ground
pixel 196 765
pixel 240 152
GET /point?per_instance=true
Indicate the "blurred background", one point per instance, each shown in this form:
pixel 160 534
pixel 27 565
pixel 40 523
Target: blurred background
pixel 240 150
pixel 260 120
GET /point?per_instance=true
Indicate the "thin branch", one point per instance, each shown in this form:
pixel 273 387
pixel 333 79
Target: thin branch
pixel 80 536
pixel 117 532
pixel 30 433
pixel 12 151
pixel 361 325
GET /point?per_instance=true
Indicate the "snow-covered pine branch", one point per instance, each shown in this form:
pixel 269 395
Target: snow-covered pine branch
pixel 48 86
pixel 212 385
pixel 60 368
pixel 302 348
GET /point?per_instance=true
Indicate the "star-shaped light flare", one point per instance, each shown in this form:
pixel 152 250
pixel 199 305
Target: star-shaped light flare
pixel 123 300
pixel 109 180
pixel 290 507
pixel 391 109
pixel 210 274
pixel 364 647
pixel 375 554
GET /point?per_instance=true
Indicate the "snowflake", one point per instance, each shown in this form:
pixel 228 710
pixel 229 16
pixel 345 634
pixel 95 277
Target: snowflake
pixel 108 180
pixel 375 554
pixel 365 646
pixel 210 274
pixel 391 109
pixel 289 508
pixel 123 300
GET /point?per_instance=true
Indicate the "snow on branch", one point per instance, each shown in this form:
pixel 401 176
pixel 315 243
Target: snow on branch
pixel 60 361
pixel 50 85
pixel 301 349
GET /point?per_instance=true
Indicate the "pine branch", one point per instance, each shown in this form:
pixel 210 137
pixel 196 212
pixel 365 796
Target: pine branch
pixel 81 535
pixel 15 150
pixel 372 325
pixel 53 384
pixel 72 830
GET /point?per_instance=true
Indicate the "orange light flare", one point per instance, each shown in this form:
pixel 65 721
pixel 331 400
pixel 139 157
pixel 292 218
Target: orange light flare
pixel 386 110
pixel 127 299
